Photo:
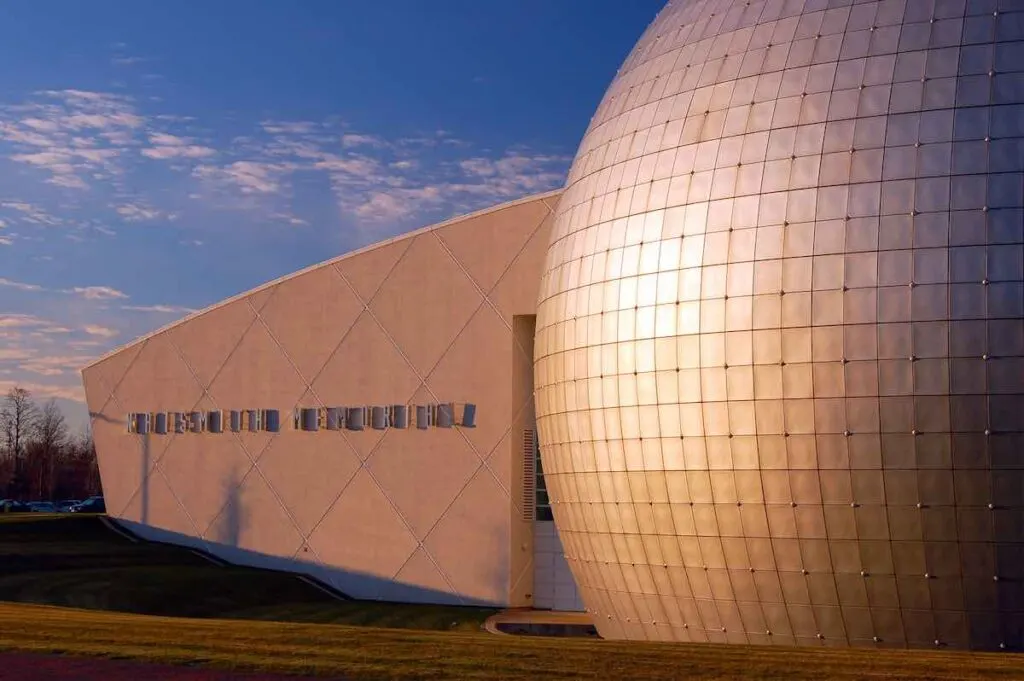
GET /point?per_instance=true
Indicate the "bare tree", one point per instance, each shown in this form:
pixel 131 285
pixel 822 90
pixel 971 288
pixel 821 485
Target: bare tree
pixel 51 430
pixel 17 420
pixel 45 452
pixel 42 459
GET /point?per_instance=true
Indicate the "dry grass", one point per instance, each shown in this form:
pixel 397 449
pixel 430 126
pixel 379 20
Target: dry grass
pixel 368 653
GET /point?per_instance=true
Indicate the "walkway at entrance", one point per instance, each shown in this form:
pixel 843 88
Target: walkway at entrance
pixel 525 622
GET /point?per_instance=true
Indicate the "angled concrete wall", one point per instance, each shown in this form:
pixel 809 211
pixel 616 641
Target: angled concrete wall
pixel 422 515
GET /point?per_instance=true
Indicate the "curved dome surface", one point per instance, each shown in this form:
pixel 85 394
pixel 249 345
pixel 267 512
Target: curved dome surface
pixel 780 342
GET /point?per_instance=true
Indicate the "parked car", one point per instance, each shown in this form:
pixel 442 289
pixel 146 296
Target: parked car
pixel 90 505
pixel 65 505
pixel 13 506
pixel 42 506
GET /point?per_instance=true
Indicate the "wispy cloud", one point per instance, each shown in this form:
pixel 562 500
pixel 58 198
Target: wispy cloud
pixel 289 127
pixel 101 331
pixel 72 134
pixel 97 292
pixel 162 309
pixel 14 354
pixel 377 180
pixel 249 177
pixel 128 61
pixel 21 286
pixel 15 321
pixel 53 365
pixel 165 146
pixel 135 212
pixel 86 292
pixel 46 356
pixel 31 213
pixel 350 140
pixel 80 138
pixel 474 182
pixel 66 391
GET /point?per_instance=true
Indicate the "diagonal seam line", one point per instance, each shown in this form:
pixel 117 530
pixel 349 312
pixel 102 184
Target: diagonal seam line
pixel 484 461
pixel 351 449
pixel 334 350
pixel 117 385
pixel 469 480
pixel 145 474
pixel 440 358
pixel 419 543
pixel 424 384
pixel 237 437
pixel 205 394
pixel 341 341
pixel 310 389
pixel 204 389
pixel 254 460
pixel 156 460
pixel 486 294
pixel 380 285
pixel 148 474
pixel 234 349
pixel 177 500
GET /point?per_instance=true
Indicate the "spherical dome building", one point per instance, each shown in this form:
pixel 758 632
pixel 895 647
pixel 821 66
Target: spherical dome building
pixel 779 361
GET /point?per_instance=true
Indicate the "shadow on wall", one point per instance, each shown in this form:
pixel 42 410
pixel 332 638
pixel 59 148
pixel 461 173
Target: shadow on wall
pixel 145 462
pixel 354 584
pixel 230 523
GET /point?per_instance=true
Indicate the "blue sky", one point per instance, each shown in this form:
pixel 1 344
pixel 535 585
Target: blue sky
pixel 158 157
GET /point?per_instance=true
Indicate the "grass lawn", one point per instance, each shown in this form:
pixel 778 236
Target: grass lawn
pixel 359 653
pixel 77 561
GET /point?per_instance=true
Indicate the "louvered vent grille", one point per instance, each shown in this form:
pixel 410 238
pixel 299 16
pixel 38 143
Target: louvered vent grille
pixel 529 476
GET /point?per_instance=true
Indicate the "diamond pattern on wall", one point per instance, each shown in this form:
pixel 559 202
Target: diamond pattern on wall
pixel 108 375
pixel 367 271
pixel 405 459
pixel 159 364
pixel 159 507
pixel 309 471
pixel 258 299
pixel 499 461
pixel 463 375
pixel 148 453
pixel 310 315
pixel 516 291
pixel 425 302
pixel 474 514
pixel 485 246
pixel 206 341
pixel 132 468
pixel 421 571
pixel 379 327
pixel 204 473
pixel 366 368
pixel 363 532
pixel 257 375
pixel 253 520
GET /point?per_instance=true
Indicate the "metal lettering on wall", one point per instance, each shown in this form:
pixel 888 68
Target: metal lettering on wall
pixel 309 419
